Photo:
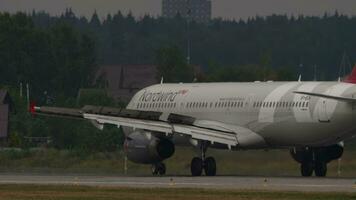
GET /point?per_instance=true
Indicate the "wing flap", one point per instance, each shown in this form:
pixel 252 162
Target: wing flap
pixel 175 124
pixel 157 126
pixel 206 134
pixel 199 133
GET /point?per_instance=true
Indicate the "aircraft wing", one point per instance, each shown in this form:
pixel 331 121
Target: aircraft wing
pixel 147 120
pixel 334 97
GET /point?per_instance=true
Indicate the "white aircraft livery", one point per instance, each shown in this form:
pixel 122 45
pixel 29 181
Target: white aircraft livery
pixel 312 119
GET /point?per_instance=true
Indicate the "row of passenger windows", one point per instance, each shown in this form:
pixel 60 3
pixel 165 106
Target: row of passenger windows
pixel 157 105
pixel 285 104
pixel 216 104
pixel 230 104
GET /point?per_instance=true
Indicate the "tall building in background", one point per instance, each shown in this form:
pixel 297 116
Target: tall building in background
pixel 197 10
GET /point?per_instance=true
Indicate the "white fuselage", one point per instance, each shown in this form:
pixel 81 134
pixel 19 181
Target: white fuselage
pixel 270 109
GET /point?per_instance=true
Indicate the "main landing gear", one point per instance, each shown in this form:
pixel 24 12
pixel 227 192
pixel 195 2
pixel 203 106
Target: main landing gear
pixel 316 159
pixel 201 163
pixel 159 169
pixel 319 167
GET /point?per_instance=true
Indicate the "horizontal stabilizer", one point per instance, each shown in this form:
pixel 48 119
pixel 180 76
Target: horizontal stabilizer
pixel 334 97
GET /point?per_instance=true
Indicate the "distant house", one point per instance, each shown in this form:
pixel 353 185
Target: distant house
pixel 5 107
pixel 123 81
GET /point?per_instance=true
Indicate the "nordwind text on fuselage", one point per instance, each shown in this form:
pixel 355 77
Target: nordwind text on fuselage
pixel 161 96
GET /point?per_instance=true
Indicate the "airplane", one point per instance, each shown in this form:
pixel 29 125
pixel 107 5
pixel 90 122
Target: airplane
pixel 311 119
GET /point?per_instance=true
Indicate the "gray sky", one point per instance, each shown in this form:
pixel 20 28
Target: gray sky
pixel 221 8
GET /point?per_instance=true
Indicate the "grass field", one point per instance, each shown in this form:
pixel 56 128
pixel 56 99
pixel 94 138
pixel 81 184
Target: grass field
pixel 260 163
pixel 24 192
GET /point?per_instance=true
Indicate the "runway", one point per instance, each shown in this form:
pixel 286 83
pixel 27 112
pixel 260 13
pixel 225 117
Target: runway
pixel 219 182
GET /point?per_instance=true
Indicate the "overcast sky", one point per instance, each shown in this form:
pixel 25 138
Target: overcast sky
pixel 221 8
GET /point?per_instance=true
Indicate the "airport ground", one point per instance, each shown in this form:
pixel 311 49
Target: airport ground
pixel 38 192
pixel 53 174
pixel 241 163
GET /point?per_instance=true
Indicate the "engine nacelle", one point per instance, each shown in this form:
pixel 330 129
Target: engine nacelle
pixel 143 148
pixel 325 154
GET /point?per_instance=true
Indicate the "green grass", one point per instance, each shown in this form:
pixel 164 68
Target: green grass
pixel 259 163
pixel 38 192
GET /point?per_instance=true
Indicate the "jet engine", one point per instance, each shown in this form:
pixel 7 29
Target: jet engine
pixel 325 154
pixel 142 147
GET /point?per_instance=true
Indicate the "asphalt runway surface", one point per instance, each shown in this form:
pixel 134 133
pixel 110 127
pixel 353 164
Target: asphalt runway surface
pixel 220 182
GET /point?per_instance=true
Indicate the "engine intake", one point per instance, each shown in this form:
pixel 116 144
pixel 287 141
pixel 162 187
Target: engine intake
pixel 140 148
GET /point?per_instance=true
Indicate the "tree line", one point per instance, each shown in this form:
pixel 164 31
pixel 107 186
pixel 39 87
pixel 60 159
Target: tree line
pixel 297 43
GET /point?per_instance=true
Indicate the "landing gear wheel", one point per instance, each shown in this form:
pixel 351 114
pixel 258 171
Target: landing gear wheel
pixel 306 169
pixel 159 169
pixel 196 166
pixel 210 166
pixel 320 169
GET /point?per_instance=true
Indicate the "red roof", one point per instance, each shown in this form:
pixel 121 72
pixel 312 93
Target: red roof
pixel 123 81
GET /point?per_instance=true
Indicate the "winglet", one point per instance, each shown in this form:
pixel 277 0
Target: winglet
pixel 352 77
pixel 32 108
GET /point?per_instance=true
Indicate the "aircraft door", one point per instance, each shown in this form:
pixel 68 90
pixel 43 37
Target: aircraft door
pixel 322 111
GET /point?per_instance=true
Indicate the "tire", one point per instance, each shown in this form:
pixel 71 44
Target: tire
pixel 162 169
pixel 154 170
pixel 321 169
pixel 196 166
pixel 210 166
pixel 159 169
pixel 306 169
